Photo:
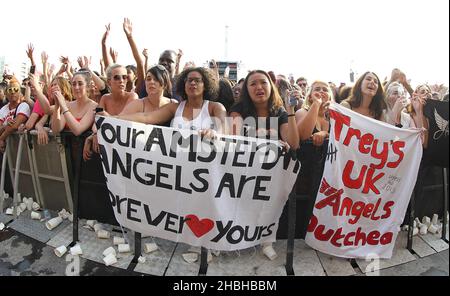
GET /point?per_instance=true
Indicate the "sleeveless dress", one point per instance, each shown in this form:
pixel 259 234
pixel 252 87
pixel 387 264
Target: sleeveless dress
pixel 202 119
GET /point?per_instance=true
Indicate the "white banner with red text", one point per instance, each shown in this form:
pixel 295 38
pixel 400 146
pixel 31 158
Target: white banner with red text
pixel 225 193
pixel 370 172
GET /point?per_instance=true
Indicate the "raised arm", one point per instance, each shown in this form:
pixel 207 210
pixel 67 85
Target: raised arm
pixel 39 95
pixel 85 63
pixel 145 54
pixel 30 50
pixel 177 65
pixel 105 53
pixel 307 119
pixel 128 29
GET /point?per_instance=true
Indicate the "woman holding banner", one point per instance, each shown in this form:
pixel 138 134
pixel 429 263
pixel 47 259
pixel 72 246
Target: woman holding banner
pixel 367 97
pixel 260 100
pixel 313 126
pixel 198 88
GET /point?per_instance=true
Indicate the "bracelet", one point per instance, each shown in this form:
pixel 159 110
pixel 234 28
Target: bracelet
pixel 65 112
pixel 291 115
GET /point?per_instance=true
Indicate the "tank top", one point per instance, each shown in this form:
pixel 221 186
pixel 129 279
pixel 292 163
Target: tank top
pixel 201 121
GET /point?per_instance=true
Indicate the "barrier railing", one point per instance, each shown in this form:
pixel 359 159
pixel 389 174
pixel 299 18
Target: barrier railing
pixel 38 173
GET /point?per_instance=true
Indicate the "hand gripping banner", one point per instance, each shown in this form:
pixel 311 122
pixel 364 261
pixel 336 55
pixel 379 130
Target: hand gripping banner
pixel 367 183
pixel 223 194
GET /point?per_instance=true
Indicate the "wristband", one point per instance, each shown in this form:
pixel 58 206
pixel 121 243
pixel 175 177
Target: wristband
pixel 65 112
pixel 291 115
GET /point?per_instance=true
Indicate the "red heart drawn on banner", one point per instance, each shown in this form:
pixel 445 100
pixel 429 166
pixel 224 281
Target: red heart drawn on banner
pixel 199 227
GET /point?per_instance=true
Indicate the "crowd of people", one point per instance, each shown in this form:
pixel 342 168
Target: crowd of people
pixel 199 99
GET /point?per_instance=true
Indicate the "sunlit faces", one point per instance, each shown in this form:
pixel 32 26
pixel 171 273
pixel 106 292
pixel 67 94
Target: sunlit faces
pixel 152 85
pixel 369 85
pixel 394 94
pixel 79 86
pixel 194 85
pixel 321 90
pixel 119 78
pixel 423 91
pixel 259 88
pixel 13 92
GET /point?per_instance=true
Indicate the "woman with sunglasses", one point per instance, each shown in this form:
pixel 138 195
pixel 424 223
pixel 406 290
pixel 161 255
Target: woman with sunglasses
pixel 114 102
pixel 198 88
pixel 13 114
pixel 260 99
pixel 78 115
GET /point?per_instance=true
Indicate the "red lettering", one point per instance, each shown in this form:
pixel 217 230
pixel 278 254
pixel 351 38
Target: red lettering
pixel 368 211
pixel 386 238
pixel 366 140
pixel 357 210
pixel 347 241
pixel 372 238
pixel 350 134
pixel 396 147
pixel 360 236
pixel 323 236
pixel 313 223
pixel 382 156
pixel 377 205
pixel 333 200
pixel 347 204
pixel 336 237
pixel 324 186
pixel 340 120
pixel 347 179
pixel 387 209
pixel 369 183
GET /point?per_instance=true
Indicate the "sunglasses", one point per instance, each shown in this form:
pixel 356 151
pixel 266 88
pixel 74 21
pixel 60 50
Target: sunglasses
pixel 195 80
pixel 12 90
pixel 320 89
pixel 120 77
pixel 302 84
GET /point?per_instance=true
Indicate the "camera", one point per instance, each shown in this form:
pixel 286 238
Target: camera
pixel 32 69
pixel 293 101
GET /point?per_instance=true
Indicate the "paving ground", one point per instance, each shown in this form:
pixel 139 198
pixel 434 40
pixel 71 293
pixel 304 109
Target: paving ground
pixel 24 256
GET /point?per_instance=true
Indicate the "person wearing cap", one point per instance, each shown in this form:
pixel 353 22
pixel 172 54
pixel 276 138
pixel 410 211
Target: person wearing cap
pixel 13 114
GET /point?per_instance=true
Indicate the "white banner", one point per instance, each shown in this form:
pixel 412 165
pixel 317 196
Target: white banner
pixel 225 194
pixel 369 175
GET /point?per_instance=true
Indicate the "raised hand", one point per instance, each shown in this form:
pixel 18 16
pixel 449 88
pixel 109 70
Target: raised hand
pixel 145 53
pixel 179 54
pixel 44 57
pixel 64 60
pixel 114 54
pixel 127 27
pixel 30 50
pixel 62 69
pixel 189 65
pixel 106 34
pixel 80 62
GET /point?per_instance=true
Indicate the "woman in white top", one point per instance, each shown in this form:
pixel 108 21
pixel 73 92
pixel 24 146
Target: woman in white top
pixel 197 87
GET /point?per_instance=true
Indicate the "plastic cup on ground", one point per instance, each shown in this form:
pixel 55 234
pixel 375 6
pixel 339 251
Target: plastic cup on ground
pixel 60 251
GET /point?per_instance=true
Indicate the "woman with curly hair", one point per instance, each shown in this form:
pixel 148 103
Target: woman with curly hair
pixel 367 97
pixel 197 88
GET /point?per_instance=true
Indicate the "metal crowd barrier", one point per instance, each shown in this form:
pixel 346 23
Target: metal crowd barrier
pixel 38 171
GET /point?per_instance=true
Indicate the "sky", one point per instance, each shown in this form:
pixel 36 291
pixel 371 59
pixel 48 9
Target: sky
pixel 320 39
